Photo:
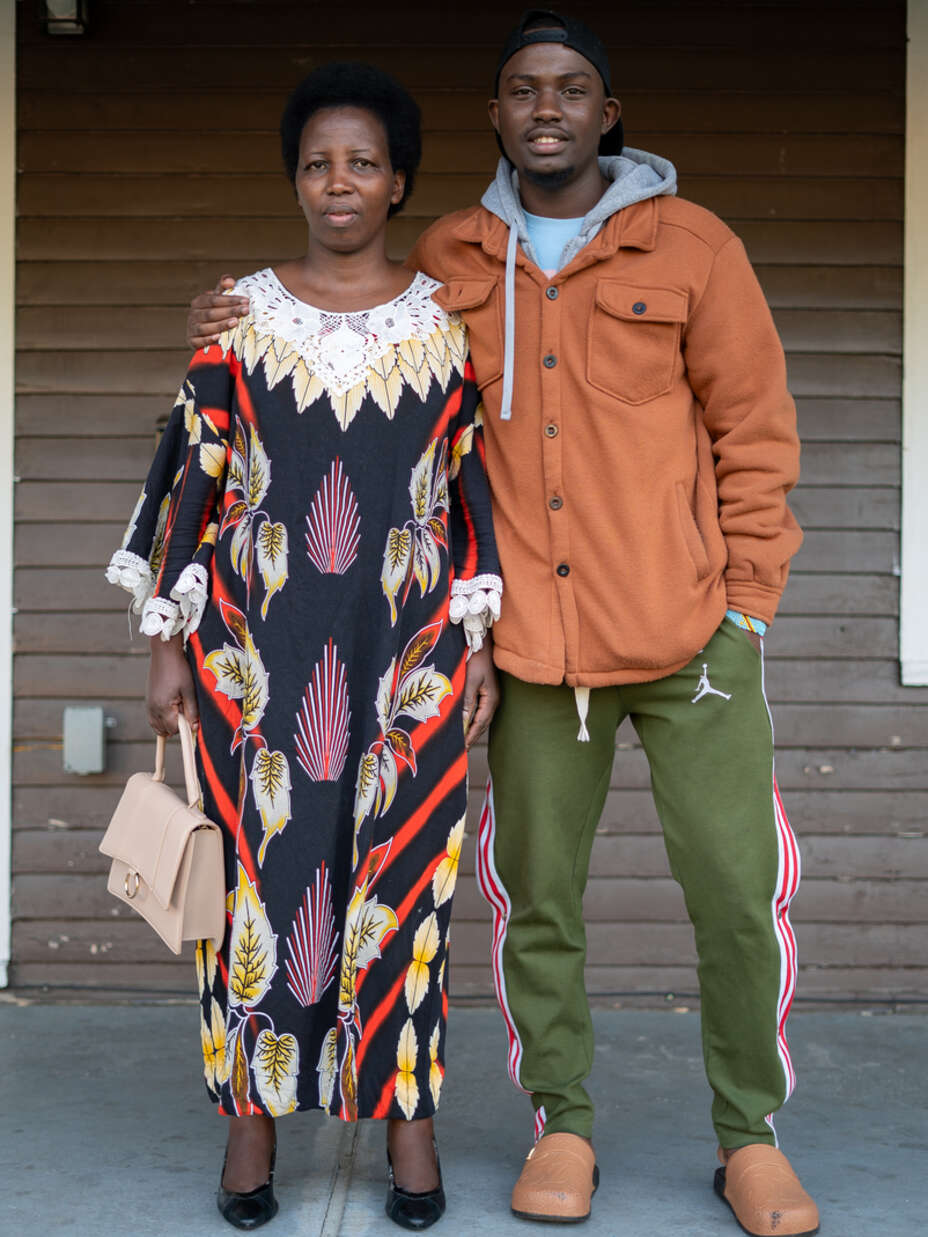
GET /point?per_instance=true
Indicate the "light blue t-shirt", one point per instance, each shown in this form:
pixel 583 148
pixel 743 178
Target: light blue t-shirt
pixel 549 236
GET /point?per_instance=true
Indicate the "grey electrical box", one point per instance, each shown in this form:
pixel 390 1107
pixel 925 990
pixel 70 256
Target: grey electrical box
pixel 83 734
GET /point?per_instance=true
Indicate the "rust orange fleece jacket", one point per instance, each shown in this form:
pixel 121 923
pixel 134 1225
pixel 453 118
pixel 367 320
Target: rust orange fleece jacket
pixel 639 489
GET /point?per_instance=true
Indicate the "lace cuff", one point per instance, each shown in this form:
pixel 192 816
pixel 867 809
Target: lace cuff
pixel 475 604
pixel 161 616
pixel 191 593
pixel 131 572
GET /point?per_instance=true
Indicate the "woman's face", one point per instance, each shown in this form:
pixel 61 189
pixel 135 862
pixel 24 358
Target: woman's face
pixel 344 182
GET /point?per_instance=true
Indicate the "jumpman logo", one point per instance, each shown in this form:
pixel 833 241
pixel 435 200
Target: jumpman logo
pixel 705 688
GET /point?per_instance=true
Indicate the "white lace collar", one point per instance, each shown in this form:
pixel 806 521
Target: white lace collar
pixel 341 346
pixel 407 341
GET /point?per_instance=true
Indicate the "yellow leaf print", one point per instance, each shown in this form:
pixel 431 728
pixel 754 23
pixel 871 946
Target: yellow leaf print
pixel 206 965
pixel 253 949
pixel 213 1036
pixel 240 675
pixel 424 949
pixel 276 1062
pixel 396 558
pixel 327 1069
pixel 461 448
pixel 445 876
pixel 349 1078
pixel 239 1075
pixel 271 557
pixel 407 1051
pixel 421 693
pixel 259 471
pixel 367 924
pixel 270 785
pixel 420 484
pixel 366 790
pixel 212 458
pixel 436 1077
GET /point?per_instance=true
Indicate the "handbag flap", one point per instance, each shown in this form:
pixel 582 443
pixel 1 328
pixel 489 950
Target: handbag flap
pixel 149 831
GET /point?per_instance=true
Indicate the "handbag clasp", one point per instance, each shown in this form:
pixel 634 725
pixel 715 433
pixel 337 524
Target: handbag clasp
pixel 129 875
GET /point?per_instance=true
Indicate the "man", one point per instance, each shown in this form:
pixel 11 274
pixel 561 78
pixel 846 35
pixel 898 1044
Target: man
pixel 640 443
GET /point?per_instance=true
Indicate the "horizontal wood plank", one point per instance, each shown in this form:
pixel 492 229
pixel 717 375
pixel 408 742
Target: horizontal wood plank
pixel 839 594
pixel 92 67
pixel 657 110
pixel 74 589
pixel 193 151
pixel 660 987
pixel 205 195
pixel 39 763
pixel 255 242
pixel 608 900
pixel 55 329
pixel 627 32
pixel 174 281
pixel 62 940
pixel 80 677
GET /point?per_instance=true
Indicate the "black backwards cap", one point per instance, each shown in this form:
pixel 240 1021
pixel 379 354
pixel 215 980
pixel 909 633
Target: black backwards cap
pixel 576 35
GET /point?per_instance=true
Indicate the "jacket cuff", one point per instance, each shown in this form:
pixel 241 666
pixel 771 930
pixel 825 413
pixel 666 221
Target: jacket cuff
pixel 749 597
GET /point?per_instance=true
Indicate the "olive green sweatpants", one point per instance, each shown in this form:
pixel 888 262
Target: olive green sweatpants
pixel 707 735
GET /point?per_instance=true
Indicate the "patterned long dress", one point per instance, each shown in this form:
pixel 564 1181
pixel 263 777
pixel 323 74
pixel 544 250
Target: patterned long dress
pixel 316 522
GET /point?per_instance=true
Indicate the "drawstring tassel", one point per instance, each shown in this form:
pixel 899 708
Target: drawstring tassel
pixel 509 333
pixel 582 698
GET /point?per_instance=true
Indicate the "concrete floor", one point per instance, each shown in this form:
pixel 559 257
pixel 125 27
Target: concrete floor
pixel 105 1130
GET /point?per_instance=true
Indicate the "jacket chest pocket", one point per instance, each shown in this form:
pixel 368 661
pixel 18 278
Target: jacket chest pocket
pixel 479 302
pixel 633 342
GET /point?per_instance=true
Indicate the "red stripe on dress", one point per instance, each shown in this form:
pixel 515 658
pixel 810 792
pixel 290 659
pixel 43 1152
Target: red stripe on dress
pixel 385 1103
pixel 451 780
pixel 374 1021
pixel 404 908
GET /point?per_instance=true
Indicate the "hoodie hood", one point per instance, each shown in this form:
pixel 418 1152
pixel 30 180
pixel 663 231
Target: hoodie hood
pixel 633 176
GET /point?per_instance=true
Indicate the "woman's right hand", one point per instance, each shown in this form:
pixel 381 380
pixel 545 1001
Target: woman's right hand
pixel 211 313
pixel 170 686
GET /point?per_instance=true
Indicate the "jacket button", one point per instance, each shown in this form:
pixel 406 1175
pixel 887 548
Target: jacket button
pixel 556 504
pixel 551 431
pixel 639 307
pixel 551 293
pixel 550 361
pixel 563 570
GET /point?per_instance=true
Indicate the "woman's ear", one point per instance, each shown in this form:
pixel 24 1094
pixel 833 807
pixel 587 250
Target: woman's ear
pixel 399 187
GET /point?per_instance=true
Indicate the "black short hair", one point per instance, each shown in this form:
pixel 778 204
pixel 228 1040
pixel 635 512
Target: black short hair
pixel 352 84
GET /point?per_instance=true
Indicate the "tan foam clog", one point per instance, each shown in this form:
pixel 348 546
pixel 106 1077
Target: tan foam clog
pixel 557 1181
pixel 758 1183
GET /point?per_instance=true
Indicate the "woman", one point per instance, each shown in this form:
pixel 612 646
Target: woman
pixel 314 527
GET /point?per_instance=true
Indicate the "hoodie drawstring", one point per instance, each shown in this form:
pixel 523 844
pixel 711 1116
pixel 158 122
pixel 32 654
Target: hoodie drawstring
pixel 509 334
pixel 582 698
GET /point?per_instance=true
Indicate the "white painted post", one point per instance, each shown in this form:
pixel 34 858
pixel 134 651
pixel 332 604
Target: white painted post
pixel 7 352
pixel 913 605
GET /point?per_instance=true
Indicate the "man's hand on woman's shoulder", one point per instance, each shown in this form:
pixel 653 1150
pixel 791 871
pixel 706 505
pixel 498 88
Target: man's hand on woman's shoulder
pixel 211 313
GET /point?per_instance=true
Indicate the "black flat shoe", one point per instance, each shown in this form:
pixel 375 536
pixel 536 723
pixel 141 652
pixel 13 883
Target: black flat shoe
pixel 254 1207
pixel 415 1211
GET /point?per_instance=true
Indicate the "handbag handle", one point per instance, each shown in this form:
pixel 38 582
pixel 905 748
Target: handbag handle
pixel 187 752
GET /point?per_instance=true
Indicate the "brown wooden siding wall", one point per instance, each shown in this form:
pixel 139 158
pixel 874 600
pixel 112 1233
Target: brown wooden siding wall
pixel 149 164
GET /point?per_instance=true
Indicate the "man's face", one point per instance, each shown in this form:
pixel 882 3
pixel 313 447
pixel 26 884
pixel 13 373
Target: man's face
pixel 551 112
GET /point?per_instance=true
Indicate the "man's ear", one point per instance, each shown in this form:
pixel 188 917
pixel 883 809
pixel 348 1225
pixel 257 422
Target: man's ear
pixel 493 109
pixel 612 110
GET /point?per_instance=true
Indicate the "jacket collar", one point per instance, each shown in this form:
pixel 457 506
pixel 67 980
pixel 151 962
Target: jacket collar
pixel 633 227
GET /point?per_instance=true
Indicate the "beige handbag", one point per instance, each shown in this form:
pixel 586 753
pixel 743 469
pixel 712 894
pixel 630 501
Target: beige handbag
pixel 167 857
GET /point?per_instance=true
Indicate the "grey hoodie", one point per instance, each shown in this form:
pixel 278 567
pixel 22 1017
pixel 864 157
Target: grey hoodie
pixel 634 175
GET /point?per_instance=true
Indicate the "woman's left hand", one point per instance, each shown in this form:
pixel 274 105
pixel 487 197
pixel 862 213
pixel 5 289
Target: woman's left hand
pixel 481 693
